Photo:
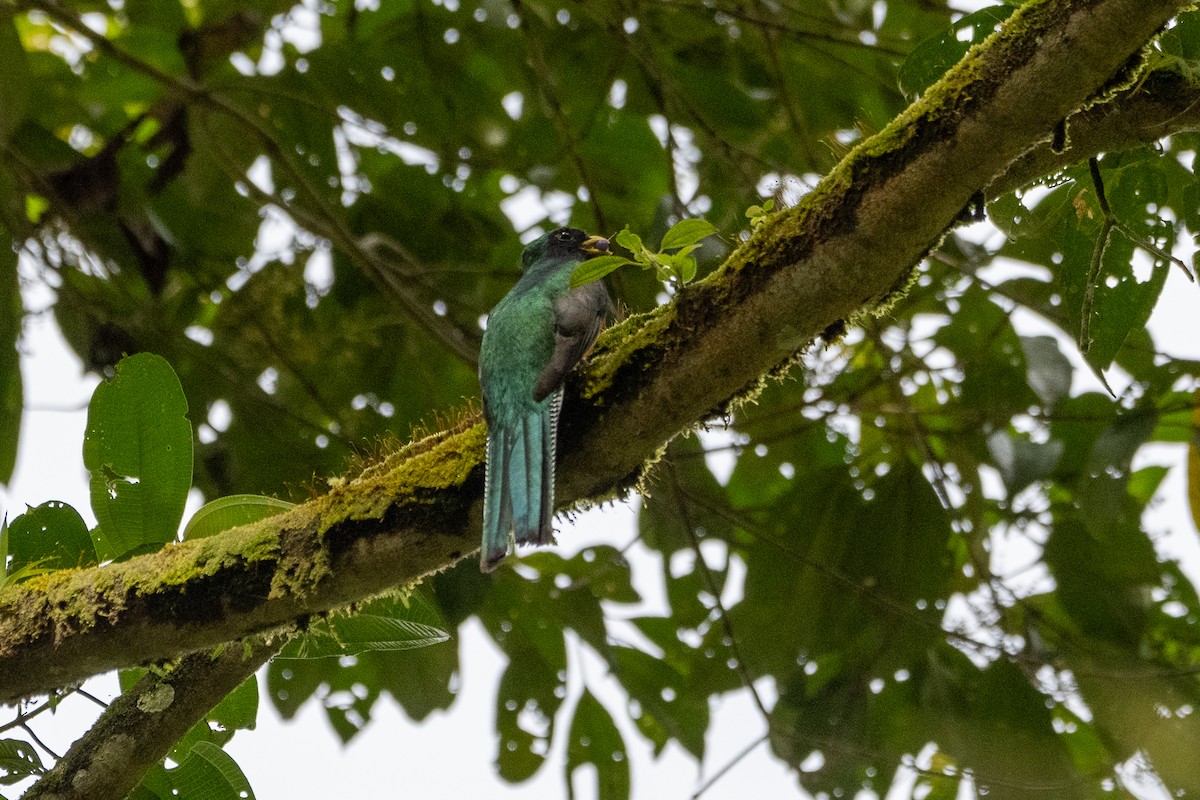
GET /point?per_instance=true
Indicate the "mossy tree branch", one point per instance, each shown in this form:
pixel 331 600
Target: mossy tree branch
pixel 1163 101
pixel 143 724
pixel 846 248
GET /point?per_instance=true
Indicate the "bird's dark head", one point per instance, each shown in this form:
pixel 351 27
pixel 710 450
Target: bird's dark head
pixel 563 243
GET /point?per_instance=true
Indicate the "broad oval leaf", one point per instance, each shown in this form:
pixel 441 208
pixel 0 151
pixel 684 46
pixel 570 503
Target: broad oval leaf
pixel 687 270
pixel 629 240
pixel 1022 461
pixel 594 739
pixel 229 512
pixel 596 268
pixel 18 760
pixel 211 773
pixel 238 711
pixel 11 391
pixel 930 59
pixel 1049 371
pixel 527 703
pixel 53 535
pixel 138 448
pixel 388 624
pixel 687 231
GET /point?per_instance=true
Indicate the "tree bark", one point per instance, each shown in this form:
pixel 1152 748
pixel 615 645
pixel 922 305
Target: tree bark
pixel 842 251
pixel 142 725
pixel 1162 102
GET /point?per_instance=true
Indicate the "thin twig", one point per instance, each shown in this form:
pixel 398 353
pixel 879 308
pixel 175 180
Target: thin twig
pixel 541 71
pixel 1110 223
pixel 29 732
pixel 1089 293
pixel 84 693
pixel 733 762
pixel 20 720
pixel 1102 199
pixel 685 519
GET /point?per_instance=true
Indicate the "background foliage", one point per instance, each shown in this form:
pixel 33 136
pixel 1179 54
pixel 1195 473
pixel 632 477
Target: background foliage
pixel 307 210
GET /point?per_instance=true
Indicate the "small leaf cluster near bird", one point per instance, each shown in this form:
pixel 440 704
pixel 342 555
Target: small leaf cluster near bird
pixel 678 267
pixel 535 335
pixel 758 215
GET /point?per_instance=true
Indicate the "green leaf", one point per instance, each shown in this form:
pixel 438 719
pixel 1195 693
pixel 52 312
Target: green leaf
pixel 18 761
pixel 156 16
pixel 229 512
pixel 25 572
pixel 382 625
pixel 1021 461
pixel 686 495
pixel 35 207
pixel 995 721
pixel 1145 482
pixel 290 682
pixel 1130 714
pixel 630 241
pixel 600 571
pixel 990 354
pixel 11 391
pixel 15 88
pixel 1102 573
pixel 1183 37
pixel 238 711
pixel 596 268
pixel 527 703
pixel 904 558
pixel 1122 304
pixel 53 535
pixel 758 214
pixel 419 680
pixel 686 232
pixel 930 59
pixel 1049 371
pixel 594 739
pixel 138 447
pixel 209 773
pixel 1193 463
pixel 682 265
pixel 668 708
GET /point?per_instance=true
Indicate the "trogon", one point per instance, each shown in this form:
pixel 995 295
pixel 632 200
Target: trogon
pixel 534 336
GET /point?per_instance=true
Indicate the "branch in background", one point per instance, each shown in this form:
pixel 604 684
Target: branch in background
pixel 541 76
pixel 327 223
pixel 1164 101
pixel 141 726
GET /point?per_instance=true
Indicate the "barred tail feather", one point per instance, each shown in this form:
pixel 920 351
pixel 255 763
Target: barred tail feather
pixel 497 507
pixel 519 488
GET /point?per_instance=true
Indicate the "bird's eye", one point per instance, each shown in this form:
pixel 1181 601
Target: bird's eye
pixel 563 236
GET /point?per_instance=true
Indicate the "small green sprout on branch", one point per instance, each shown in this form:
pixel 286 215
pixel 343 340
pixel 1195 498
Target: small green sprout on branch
pixel 758 214
pixel 678 266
